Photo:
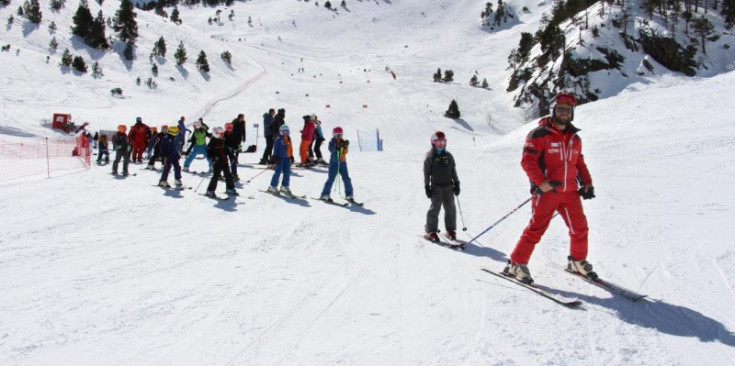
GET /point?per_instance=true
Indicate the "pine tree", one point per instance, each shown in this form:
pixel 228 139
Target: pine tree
pixel 484 83
pixel 53 44
pixel 57 4
pixel 227 56
pixel 97 37
pixel 438 75
pixel 4 2
pixel 448 76
pixel 180 54
pixel 52 28
pixel 473 80
pixel 202 63
pixel 175 16
pixel 20 11
pixel 159 48
pixel 78 64
pixel 453 111
pixel 33 11
pixel 66 58
pixel 728 11
pixel 11 19
pixel 82 21
pixel 97 70
pixel 124 22
pixel 328 5
pixel 704 28
pixel 154 69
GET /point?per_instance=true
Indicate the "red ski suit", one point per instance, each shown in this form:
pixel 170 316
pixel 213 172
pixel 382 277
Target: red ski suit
pixel 138 138
pixel 556 156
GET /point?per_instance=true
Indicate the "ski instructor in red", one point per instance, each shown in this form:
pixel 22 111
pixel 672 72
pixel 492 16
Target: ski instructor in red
pixel 553 161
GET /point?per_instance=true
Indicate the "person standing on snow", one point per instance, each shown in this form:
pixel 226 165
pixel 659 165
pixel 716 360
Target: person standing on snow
pixel 138 136
pixel 181 136
pixel 217 150
pixel 441 185
pixel 278 121
pixel 102 149
pixel 122 149
pixel 307 134
pixel 238 131
pixel 170 151
pixel 283 158
pixel 338 149
pixel 198 144
pixel 231 145
pixel 153 132
pixel 156 142
pixel 553 161
pixel 268 132
pixel 319 138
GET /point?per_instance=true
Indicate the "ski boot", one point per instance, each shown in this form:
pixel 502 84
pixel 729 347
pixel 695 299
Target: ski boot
pixel 231 192
pixel 179 184
pixel 519 271
pixel 582 267
pixel 272 189
pixel 285 190
pixel 432 237
pixel 164 184
pixel 325 197
pixel 451 234
pixel 211 194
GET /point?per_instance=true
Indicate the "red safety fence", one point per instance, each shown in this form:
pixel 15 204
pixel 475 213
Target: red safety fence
pixel 42 158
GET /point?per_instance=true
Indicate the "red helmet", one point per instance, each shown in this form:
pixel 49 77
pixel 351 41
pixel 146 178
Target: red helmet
pixel 337 130
pixel 438 139
pixel 229 126
pixel 566 98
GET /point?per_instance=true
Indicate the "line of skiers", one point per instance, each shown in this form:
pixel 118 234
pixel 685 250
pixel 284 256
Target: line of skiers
pixel 225 144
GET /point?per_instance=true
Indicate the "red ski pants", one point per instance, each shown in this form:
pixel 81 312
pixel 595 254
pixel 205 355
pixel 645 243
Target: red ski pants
pixel 569 206
pixel 138 148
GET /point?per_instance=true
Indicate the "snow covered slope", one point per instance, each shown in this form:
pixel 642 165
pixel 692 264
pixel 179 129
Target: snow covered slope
pixel 105 271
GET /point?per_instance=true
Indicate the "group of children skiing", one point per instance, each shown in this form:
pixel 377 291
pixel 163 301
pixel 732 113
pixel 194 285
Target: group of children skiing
pixel 223 148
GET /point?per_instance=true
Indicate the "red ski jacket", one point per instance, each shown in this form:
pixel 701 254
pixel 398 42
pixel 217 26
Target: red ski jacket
pixel 553 155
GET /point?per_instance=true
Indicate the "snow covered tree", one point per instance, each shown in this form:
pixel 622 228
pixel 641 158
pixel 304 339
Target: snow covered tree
pixel 52 28
pixel 227 57
pixel 473 80
pixel 32 10
pixel 438 75
pixel 124 22
pixel 79 64
pixel 180 54
pixel 202 63
pixel 66 58
pixel 97 37
pixel 53 44
pixel 484 83
pixel 453 111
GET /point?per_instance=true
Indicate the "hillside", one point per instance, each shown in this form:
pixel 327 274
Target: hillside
pixel 104 271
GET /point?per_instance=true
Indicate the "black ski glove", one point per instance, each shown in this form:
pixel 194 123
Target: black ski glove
pixel 587 193
pixel 456 188
pixel 428 191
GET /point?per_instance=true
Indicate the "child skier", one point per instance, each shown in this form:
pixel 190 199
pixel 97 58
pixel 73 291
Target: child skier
pixel 156 144
pixel 102 149
pixel 307 134
pixel 319 138
pixel 198 144
pixel 122 149
pixel 338 149
pixel 283 158
pixel 217 151
pixel 441 185
pixel 170 152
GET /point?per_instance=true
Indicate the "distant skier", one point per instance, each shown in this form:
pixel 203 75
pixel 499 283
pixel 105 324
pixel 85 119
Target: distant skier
pixel 338 149
pixel 269 136
pixel 138 137
pixel 217 151
pixel 307 134
pixel 441 185
pixel 282 158
pixel 170 151
pixel 553 161
pixel 198 145
pixel 102 149
pixel 122 149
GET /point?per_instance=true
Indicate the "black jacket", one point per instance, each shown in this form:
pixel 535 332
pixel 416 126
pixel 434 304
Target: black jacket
pixel 440 169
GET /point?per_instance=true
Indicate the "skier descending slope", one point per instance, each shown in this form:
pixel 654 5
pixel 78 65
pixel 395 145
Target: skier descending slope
pixel 553 153
pixel 441 184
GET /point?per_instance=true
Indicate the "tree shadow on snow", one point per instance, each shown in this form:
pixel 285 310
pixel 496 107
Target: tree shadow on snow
pixel 464 124
pixel 184 73
pixel 28 28
pixel 664 317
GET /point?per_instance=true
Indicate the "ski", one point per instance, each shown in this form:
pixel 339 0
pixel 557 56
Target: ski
pixel 219 198
pixel 555 298
pixel 283 195
pixel 332 202
pixel 455 242
pixel 182 188
pixel 444 243
pixel 123 175
pixel 609 286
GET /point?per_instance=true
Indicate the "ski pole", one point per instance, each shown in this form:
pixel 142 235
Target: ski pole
pixel 501 219
pixel 200 182
pixel 538 191
pixel 255 176
pixel 464 227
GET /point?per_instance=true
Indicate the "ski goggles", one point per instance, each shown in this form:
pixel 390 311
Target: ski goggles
pixel 567 110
